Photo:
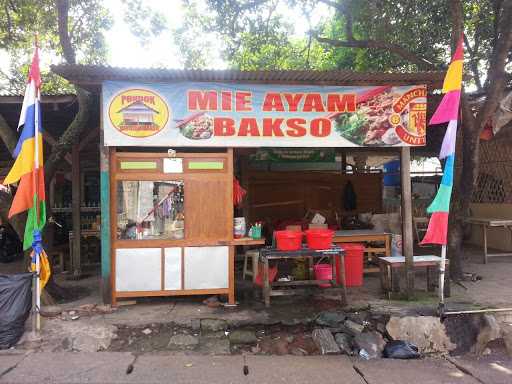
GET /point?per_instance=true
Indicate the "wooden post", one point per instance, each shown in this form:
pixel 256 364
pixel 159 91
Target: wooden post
pixel 407 239
pixel 75 209
pixel 106 292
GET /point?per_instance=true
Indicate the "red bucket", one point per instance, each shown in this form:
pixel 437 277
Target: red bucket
pixel 354 260
pixel 319 238
pixel 323 272
pixel 288 240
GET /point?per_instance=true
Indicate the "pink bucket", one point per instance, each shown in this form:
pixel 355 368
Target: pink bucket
pixel 323 272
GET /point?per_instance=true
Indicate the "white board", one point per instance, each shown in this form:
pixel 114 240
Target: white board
pixel 206 267
pixel 138 269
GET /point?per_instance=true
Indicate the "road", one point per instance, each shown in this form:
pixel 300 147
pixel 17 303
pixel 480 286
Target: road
pixel 112 367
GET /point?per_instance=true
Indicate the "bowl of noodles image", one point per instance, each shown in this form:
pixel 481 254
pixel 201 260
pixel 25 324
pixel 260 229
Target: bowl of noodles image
pixel 197 127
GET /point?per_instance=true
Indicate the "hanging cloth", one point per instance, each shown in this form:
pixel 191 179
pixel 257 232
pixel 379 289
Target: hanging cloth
pixel 349 197
pixel 238 192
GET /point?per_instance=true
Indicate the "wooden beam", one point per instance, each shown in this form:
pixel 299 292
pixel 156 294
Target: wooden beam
pixel 45 99
pixel 407 238
pixel 94 133
pixel 75 210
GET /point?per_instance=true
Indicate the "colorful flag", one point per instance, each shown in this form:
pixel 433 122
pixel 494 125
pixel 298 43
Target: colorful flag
pixel 28 170
pixel 446 112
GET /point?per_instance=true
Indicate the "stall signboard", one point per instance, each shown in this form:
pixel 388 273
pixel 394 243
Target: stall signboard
pixel 294 155
pixel 207 114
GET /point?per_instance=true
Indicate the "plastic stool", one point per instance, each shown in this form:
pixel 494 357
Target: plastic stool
pixel 254 254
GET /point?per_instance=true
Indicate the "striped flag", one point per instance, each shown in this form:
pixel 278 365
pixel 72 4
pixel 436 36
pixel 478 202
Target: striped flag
pixel 446 112
pixel 28 170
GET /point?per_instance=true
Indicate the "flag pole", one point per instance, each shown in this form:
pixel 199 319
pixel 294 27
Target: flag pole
pixel 36 253
pixel 442 266
pixel 36 189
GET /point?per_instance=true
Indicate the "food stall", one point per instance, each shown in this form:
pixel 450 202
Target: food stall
pixel 170 142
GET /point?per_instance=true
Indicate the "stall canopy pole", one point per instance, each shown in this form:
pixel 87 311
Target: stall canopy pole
pixel 447 112
pixel 407 240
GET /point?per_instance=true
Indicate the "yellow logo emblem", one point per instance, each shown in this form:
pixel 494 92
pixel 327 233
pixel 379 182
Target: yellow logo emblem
pixel 138 112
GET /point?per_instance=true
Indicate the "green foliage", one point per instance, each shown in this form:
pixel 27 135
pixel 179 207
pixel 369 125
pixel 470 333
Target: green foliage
pixel 21 20
pixel 259 34
pixel 194 38
pixel 144 22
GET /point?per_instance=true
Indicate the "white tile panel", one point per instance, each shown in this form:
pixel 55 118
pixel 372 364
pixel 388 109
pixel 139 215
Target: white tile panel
pixel 138 269
pixel 172 268
pixel 206 267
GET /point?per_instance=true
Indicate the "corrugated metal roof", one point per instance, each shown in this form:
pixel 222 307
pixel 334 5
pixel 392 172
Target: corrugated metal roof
pixel 15 98
pixel 94 74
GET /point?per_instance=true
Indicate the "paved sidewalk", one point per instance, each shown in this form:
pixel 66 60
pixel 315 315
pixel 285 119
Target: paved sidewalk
pixel 111 367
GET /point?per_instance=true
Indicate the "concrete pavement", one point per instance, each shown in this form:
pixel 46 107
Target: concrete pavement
pixel 111 367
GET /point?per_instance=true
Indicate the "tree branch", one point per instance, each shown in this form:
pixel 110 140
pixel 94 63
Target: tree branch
pixel 473 63
pixel 65 40
pixel 497 72
pixel 382 45
pixel 72 133
pixel 9 22
pixel 339 6
pixel 7 135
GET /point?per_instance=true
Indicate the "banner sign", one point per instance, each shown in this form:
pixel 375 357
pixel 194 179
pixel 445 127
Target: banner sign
pixel 294 155
pixel 203 114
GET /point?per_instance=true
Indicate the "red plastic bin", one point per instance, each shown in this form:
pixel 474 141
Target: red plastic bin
pixel 354 255
pixel 319 238
pixel 288 240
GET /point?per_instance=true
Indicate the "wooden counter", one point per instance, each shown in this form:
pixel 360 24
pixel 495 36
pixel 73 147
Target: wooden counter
pixel 243 241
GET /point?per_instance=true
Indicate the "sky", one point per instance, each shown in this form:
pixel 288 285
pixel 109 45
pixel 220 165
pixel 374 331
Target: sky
pixel 126 51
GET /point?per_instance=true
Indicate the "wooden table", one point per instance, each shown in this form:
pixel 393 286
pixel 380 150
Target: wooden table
pixel 486 222
pixel 365 236
pixel 269 253
pixel 390 283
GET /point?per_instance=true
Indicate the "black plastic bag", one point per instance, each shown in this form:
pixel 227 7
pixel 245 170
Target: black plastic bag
pixel 15 304
pixel 399 349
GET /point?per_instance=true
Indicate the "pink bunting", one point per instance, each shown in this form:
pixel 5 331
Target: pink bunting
pixel 448 109
pixel 448 146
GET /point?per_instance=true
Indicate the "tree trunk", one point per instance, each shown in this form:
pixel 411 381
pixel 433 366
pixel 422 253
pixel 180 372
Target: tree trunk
pixel 473 125
pixel 463 191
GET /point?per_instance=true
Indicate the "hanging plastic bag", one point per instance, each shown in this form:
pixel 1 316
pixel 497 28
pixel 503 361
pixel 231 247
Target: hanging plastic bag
pixel 15 303
pixel 399 349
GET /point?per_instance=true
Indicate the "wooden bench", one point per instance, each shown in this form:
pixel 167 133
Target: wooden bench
pixel 391 283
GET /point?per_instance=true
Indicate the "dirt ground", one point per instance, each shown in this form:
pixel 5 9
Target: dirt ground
pixel 494 290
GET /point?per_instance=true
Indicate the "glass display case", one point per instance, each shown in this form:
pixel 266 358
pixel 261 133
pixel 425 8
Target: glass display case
pixel 149 210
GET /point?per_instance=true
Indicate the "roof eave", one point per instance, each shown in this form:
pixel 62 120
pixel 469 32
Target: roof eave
pixel 91 77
